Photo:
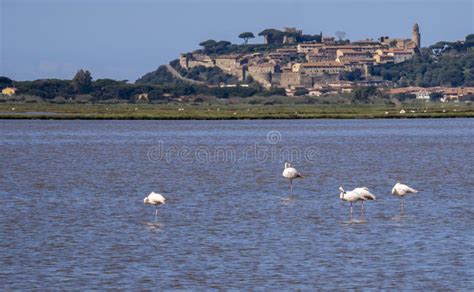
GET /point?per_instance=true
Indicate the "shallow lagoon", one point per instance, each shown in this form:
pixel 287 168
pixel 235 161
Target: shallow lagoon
pixel 72 212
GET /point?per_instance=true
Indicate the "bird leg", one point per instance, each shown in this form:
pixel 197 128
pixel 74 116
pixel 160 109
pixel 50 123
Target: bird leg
pixel 156 214
pixel 291 187
pixel 351 210
pixel 402 206
pixel 362 209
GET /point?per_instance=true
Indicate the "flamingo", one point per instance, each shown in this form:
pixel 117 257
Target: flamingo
pixel 155 199
pixel 401 190
pixel 291 173
pixel 357 194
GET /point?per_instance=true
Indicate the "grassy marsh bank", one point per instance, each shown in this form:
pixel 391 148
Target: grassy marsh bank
pixel 229 111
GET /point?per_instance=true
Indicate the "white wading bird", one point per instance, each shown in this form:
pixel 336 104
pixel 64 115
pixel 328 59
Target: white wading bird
pixel 155 199
pixel 357 194
pixel 401 190
pixel 291 173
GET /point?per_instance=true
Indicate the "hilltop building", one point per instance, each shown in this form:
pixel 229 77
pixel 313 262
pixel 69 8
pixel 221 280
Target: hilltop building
pixel 318 69
pixel 188 61
pixel 291 34
pixel 405 44
pixel 416 37
pixel 9 91
pixel 232 64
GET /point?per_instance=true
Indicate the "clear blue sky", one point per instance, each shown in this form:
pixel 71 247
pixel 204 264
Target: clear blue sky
pixel 124 39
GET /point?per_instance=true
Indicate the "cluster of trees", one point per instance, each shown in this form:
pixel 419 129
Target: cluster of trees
pixel 404 96
pixel 45 88
pixel 274 91
pixel 353 75
pixel 51 88
pixel 443 64
pixel 274 39
pixel 213 47
pixel 275 36
pixel 83 88
pixel 366 94
pixel 239 91
pixel 82 82
pixel 272 36
pixel 5 82
pixel 458 46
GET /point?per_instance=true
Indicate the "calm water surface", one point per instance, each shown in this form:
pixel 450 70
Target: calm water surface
pixel 72 213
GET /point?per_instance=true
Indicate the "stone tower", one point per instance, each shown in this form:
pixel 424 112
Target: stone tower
pixel 416 38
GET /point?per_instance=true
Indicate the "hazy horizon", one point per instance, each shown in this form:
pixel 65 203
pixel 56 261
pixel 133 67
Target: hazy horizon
pixel 125 39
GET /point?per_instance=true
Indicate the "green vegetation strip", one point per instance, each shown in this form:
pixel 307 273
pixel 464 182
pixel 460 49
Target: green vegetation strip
pixel 240 111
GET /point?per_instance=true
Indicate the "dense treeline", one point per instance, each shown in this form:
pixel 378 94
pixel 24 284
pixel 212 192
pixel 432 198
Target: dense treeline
pixel 83 88
pixel 274 38
pixel 214 48
pixel 354 75
pixel 443 64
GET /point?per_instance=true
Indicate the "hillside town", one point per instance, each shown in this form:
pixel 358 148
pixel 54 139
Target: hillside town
pixel 288 63
pixel 315 65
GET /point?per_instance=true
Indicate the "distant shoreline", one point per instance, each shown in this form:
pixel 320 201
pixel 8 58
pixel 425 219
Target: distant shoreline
pixel 48 111
pixel 133 118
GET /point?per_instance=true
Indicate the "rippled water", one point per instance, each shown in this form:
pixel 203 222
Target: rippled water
pixel 72 213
